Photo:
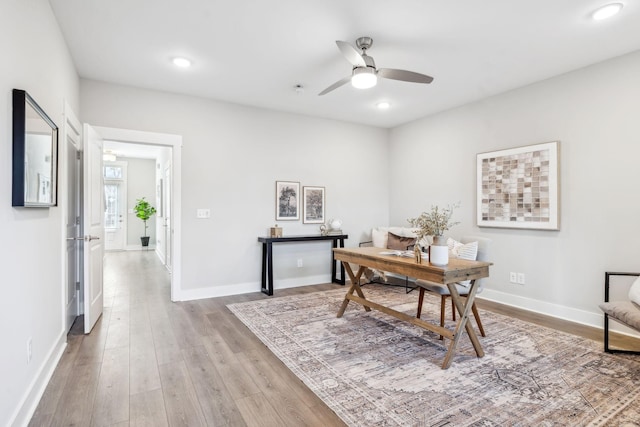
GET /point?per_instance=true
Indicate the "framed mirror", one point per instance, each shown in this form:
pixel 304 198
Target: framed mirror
pixel 35 154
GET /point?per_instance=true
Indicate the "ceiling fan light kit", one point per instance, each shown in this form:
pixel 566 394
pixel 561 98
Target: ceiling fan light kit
pixel 365 74
pixel 364 77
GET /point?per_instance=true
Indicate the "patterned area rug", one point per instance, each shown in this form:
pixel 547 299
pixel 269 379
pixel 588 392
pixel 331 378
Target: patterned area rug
pixel 374 370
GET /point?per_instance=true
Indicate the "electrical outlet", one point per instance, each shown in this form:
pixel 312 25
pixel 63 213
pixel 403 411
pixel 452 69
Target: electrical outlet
pixel 299 262
pixel 521 278
pixel 513 277
pixel 29 350
pixel 203 213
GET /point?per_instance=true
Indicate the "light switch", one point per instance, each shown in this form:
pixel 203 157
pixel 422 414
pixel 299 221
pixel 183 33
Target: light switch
pixel 203 213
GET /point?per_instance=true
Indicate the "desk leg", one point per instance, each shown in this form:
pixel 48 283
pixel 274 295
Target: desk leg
pixel 355 287
pixel 463 322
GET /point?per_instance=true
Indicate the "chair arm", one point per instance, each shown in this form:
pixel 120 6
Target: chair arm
pixel 607 274
pixel 368 243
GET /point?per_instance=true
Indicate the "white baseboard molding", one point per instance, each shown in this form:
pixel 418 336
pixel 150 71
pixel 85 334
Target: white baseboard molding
pixel 550 309
pixel 245 288
pixel 140 248
pixel 34 392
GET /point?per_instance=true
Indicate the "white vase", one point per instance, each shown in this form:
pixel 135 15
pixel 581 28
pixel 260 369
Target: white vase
pixel 439 255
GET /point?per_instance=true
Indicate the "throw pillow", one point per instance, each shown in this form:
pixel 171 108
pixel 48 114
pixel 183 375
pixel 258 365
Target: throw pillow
pixel 399 243
pixel 464 251
pixel 634 292
pixel 379 238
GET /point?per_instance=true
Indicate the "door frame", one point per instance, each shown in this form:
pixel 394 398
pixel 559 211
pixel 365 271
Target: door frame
pixel 71 126
pixel 175 143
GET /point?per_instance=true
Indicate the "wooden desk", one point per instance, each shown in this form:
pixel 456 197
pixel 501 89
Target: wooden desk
pixel 456 271
pixel 267 256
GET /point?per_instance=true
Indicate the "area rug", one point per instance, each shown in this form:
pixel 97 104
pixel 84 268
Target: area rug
pixel 374 370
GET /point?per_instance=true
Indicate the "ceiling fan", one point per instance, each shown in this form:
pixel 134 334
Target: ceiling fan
pixel 365 74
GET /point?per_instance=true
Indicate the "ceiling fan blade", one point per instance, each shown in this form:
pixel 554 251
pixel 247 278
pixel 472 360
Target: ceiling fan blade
pixel 404 75
pixel 352 55
pixel 336 85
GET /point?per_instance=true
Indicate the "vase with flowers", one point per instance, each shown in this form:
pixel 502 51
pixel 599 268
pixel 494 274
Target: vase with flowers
pixel 434 223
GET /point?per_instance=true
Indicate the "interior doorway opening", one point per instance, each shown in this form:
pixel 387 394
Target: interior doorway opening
pixel 165 151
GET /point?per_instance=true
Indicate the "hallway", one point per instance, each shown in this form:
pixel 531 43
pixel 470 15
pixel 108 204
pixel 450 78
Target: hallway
pixel 151 362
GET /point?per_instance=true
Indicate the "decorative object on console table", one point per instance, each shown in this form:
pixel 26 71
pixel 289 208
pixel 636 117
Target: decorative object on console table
pixel 335 227
pixel 275 231
pixel 518 187
pixel 287 201
pixel 313 208
pixel 144 211
pixel 435 223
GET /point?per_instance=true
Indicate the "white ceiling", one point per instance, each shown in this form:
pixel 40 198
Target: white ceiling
pixel 254 52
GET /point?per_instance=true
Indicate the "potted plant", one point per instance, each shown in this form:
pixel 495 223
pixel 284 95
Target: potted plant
pixel 435 223
pixel 144 211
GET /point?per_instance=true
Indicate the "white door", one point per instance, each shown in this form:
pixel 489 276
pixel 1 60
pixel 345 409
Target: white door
pixel 93 221
pixel 167 216
pixel 72 217
pixel 115 196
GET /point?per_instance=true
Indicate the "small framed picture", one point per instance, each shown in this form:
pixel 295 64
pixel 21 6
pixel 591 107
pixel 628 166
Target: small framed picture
pixel 313 212
pixel 287 200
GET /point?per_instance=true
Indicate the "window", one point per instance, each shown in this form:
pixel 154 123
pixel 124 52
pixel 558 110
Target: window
pixel 113 172
pixel 111 200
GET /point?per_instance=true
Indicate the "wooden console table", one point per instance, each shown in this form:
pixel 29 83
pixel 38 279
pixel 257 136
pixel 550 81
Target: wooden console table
pixel 456 271
pixel 267 256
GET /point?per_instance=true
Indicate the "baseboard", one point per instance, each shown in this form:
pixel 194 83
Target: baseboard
pixel 245 288
pixel 554 310
pixel 140 248
pixel 32 396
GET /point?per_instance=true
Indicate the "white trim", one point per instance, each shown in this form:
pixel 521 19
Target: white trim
pixel 174 141
pixel 555 310
pixel 249 287
pixel 29 402
pixel 69 119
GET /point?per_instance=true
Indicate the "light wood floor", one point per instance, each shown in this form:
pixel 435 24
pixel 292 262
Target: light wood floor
pixel 150 362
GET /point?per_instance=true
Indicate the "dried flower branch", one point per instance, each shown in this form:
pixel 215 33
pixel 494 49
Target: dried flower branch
pixel 434 223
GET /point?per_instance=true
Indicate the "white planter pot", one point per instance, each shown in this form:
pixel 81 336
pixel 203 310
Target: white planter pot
pixel 439 255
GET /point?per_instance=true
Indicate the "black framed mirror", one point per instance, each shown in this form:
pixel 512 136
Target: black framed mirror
pixel 35 154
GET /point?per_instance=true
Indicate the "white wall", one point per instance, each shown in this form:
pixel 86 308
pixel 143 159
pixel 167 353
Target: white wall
pixel 594 112
pixel 232 156
pixel 35 58
pixel 141 182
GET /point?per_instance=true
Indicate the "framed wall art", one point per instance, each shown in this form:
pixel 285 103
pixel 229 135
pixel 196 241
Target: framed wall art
pixel 287 200
pixel 313 211
pixel 518 187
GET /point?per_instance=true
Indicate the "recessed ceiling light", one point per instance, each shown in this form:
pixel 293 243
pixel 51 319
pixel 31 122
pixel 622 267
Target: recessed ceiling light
pixel 181 62
pixel 384 105
pixel 607 11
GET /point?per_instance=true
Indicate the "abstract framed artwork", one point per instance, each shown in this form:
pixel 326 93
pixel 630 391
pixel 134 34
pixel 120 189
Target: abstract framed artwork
pixel 313 211
pixel 519 188
pixel 287 201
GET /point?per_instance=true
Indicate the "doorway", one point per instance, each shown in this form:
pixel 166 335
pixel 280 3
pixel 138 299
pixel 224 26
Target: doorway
pixel 72 205
pixel 169 172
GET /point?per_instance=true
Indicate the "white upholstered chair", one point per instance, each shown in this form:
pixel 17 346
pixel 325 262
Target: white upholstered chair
pixel 443 291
